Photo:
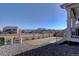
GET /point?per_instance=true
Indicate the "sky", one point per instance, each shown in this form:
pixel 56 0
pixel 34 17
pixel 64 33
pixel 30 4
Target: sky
pixel 33 15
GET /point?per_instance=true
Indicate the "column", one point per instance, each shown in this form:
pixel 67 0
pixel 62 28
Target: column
pixel 74 27
pixel 5 40
pixel 68 33
pixel 12 41
pixel 73 21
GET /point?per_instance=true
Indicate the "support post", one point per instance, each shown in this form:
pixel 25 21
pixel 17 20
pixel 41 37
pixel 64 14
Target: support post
pixel 12 41
pixel 5 40
pixel 21 40
pixel 68 24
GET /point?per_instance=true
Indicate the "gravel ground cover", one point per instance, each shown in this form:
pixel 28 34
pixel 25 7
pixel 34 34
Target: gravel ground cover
pixel 17 48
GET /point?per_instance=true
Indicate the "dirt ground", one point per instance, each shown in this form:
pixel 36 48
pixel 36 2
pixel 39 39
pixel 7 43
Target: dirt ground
pixel 43 41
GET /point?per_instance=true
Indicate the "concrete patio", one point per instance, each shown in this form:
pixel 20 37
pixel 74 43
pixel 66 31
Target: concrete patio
pixel 54 49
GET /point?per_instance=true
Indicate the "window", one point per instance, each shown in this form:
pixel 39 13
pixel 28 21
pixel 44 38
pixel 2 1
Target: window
pixel 75 25
pixel 75 30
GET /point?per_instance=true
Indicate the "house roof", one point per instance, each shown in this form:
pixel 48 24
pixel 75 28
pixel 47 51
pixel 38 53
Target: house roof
pixel 70 5
pixel 10 27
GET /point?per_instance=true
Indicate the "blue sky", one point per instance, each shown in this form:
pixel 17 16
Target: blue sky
pixel 32 16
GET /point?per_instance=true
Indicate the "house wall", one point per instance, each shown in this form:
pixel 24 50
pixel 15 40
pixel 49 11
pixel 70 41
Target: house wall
pixel 70 18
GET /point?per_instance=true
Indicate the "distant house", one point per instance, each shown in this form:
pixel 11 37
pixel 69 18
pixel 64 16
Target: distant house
pixel 10 29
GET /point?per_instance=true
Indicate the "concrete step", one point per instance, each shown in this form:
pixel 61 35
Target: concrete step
pixel 61 41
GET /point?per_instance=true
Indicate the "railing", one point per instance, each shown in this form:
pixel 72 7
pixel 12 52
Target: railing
pixel 8 34
pixel 27 36
pixel 1 35
pixel 65 34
